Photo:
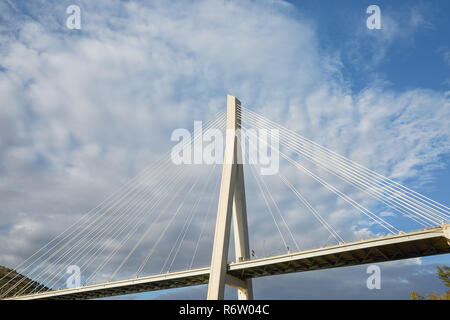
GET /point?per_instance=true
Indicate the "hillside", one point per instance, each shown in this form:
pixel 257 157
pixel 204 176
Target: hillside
pixel 12 278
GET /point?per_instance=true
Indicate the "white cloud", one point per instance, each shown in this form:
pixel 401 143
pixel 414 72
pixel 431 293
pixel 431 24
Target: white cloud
pixel 84 111
pixel 367 48
pixel 445 52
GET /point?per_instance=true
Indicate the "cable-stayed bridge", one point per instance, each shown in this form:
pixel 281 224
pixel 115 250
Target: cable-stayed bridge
pixel 157 231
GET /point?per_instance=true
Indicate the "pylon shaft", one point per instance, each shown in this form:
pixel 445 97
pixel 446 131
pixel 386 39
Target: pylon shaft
pixel 231 204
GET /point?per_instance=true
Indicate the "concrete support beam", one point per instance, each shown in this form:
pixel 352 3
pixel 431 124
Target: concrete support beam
pixel 231 204
pixel 235 282
pixel 446 228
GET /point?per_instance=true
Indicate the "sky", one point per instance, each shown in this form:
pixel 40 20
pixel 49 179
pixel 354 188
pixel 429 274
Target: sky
pixel 84 111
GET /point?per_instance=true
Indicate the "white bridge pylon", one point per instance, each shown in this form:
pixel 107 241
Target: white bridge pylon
pixel 231 205
pixel 128 215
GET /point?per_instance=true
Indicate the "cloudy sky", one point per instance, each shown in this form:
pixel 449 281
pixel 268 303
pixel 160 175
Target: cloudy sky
pixel 84 111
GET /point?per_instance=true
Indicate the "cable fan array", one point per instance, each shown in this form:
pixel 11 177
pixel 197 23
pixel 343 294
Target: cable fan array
pixel 410 204
pixel 132 229
pixel 163 219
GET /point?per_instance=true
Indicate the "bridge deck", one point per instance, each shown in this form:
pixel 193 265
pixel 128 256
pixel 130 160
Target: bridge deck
pixel 389 248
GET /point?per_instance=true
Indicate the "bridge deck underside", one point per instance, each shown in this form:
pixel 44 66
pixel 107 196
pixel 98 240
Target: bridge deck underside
pixel 403 246
pixel 352 257
pixel 158 284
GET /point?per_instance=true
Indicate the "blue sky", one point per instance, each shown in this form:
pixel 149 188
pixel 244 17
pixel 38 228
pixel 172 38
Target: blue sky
pixel 415 60
pixel 83 111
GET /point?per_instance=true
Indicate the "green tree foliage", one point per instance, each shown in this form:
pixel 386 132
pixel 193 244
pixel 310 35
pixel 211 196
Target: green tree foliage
pixel 444 275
